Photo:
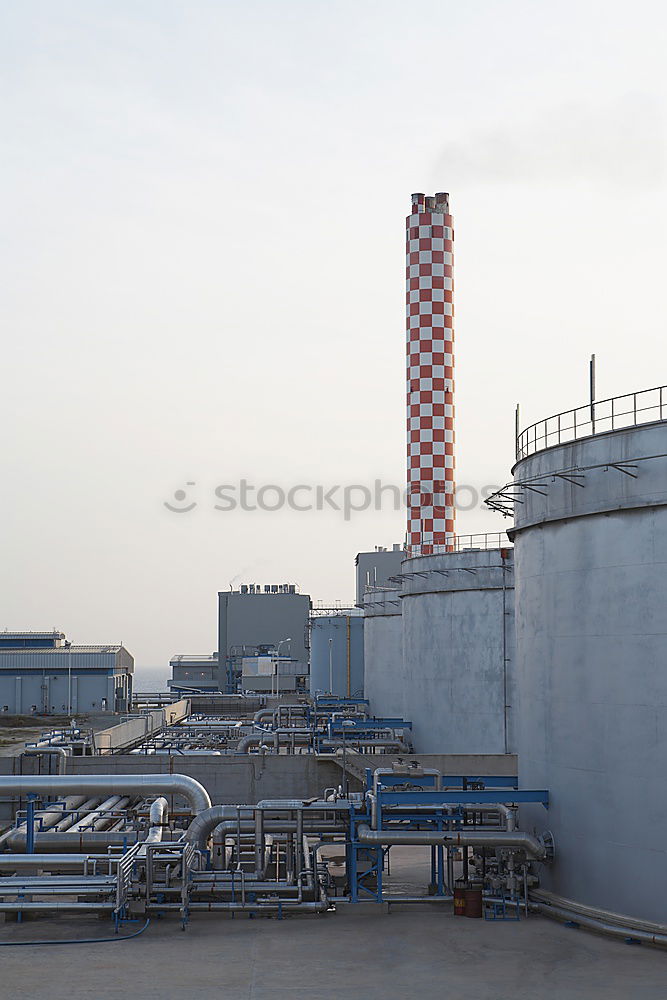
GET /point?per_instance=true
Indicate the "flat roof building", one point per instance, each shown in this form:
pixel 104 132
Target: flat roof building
pixel 375 569
pixel 255 620
pixel 194 672
pixel 43 673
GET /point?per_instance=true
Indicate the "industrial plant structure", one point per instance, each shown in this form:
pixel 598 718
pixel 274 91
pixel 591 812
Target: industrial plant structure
pixel 259 618
pixel 337 652
pixel 375 569
pixel 41 672
pixel 513 714
pixel 430 371
pixel 589 499
pixel 194 672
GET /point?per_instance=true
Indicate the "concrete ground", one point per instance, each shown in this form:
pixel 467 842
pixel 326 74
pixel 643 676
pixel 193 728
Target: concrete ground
pixel 17 730
pixel 359 951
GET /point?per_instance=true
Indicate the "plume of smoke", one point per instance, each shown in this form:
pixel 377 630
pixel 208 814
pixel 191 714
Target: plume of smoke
pixel 619 144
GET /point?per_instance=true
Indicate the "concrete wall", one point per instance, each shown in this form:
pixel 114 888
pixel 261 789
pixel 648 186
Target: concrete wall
pixel 384 683
pixel 232 778
pixel 591 588
pixel 247 779
pixel 346 633
pixel 130 731
pixel 458 638
pixel 263 619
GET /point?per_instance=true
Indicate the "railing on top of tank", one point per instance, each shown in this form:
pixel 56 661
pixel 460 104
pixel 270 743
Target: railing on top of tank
pixel 634 408
pixel 460 543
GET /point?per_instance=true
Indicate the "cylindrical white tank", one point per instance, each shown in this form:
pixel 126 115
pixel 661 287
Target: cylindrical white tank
pixel 591 597
pixel 458 639
pixel 337 655
pixel 384 680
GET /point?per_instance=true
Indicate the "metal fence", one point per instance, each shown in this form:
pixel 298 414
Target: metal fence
pixel 635 408
pixel 461 543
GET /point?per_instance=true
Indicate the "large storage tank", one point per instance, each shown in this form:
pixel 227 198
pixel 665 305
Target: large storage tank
pixel 591 595
pixel 458 639
pixel 337 654
pixel 384 678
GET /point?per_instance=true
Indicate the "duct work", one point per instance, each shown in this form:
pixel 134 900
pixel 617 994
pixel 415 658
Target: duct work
pixel 322 725
pixel 113 784
pixel 261 858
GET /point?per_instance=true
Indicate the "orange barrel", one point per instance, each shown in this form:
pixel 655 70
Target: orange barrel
pixel 472 903
pixel 460 899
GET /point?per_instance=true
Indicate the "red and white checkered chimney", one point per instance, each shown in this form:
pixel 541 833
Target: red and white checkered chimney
pixel 430 373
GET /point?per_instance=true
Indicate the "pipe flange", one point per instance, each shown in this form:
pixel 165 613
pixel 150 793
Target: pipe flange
pixel 547 839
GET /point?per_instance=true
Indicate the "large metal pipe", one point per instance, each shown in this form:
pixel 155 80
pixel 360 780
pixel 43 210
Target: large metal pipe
pixel 230 827
pixel 229 818
pixel 111 784
pixel 626 932
pixel 516 839
pixel 51 819
pixel 204 823
pixel 542 896
pixel 49 751
pixel 256 740
pixel 99 818
pixel 273 907
pixel 71 817
pixel 259 842
pixel 159 814
pixel 90 840
pixel 53 815
pixel 17 862
pixel 264 713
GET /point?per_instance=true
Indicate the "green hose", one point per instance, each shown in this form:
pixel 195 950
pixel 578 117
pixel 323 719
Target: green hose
pixel 27 944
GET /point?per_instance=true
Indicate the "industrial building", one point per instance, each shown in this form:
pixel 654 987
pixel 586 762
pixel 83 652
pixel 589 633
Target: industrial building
pixel 589 505
pixel 193 672
pixel 337 652
pixel 41 672
pixel 271 674
pixel 548 640
pixel 496 708
pixel 257 619
pixel 439 635
pixel 376 569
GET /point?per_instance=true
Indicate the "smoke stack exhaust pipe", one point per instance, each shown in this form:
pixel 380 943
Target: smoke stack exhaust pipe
pixel 430 374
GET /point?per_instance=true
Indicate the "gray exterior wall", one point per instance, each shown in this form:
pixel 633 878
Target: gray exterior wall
pixel 347 664
pixel 195 675
pixel 591 586
pixel 39 679
pixel 263 619
pixel 247 779
pixel 458 638
pixel 374 569
pixel 28 691
pixel 383 653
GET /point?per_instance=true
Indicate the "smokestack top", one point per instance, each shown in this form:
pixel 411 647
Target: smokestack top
pixel 431 203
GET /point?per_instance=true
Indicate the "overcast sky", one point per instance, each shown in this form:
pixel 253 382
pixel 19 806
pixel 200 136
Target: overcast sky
pixel 202 257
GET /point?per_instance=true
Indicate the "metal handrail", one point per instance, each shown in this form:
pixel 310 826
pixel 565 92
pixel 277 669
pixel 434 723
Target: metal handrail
pixel 599 417
pixel 460 543
pixel 124 878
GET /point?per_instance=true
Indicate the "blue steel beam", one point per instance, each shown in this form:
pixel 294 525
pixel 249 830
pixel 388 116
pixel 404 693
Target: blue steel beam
pixel 451 780
pixel 463 797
